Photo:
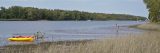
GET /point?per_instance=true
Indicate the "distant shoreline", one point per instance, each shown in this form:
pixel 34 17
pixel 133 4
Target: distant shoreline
pixel 32 13
pixel 59 20
pixel 13 20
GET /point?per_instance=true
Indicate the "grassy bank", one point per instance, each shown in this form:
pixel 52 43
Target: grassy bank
pixel 148 42
pixel 40 47
pixel 148 26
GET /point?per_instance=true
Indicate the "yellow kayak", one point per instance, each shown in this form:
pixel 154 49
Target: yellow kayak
pixel 21 39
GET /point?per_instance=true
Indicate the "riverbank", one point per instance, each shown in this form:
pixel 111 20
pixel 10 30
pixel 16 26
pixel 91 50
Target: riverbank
pixel 148 26
pixel 43 46
pixel 148 42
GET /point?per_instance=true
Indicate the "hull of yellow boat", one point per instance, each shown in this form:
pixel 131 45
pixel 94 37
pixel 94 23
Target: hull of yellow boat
pixel 21 39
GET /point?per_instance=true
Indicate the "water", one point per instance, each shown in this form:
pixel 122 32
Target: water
pixel 66 30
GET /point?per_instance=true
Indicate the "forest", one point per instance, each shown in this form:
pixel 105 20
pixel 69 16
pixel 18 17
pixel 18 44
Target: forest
pixel 32 13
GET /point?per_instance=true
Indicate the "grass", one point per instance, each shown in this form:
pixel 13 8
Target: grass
pixel 149 42
pixel 148 26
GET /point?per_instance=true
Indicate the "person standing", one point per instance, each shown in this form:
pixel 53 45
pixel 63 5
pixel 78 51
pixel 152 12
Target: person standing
pixel 39 35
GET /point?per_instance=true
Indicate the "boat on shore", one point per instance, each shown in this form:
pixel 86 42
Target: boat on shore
pixel 30 38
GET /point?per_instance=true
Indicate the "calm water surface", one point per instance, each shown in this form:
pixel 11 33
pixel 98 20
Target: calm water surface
pixel 66 30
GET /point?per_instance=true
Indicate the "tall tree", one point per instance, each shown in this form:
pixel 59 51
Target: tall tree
pixel 153 7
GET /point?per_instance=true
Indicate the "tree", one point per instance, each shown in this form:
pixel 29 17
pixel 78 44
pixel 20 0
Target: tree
pixel 31 13
pixel 153 7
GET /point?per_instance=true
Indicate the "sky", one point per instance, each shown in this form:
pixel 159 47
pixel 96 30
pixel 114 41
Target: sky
pixel 132 7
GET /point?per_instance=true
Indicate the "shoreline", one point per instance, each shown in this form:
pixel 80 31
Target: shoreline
pixel 147 26
pixel 42 44
pixel 141 43
pixel 63 20
pixel 50 42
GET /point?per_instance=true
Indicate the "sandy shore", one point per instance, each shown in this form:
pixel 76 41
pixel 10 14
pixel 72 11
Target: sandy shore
pixel 148 26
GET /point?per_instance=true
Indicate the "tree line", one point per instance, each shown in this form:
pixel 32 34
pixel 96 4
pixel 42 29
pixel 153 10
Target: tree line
pixel 31 13
pixel 153 7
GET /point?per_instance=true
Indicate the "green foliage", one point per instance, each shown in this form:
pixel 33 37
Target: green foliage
pixel 154 10
pixel 31 13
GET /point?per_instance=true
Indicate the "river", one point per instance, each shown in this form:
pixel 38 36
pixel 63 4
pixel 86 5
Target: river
pixel 66 30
